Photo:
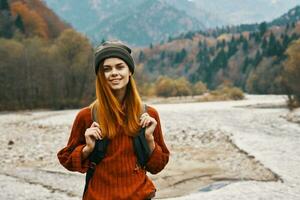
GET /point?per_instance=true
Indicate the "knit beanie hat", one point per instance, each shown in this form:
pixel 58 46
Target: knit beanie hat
pixel 111 49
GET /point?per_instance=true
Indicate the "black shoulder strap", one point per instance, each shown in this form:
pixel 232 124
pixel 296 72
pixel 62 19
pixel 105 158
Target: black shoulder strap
pixel 141 146
pixel 100 146
pixel 97 154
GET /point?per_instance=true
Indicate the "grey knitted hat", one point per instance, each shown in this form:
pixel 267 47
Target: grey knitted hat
pixel 111 49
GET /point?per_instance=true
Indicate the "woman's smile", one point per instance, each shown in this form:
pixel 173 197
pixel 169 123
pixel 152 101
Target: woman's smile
pixel 115 81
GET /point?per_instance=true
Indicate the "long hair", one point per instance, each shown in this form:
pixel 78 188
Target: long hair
pixel 111 114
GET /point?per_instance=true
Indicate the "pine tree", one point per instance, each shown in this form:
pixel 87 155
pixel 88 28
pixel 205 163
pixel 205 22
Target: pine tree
pixel 262 28
pixel 162 55
pixel 19 24
pixel 257 38
pixel 287 27
pixel 200 44
pixel 264 43
pixel 245 46
pixel 141 56
pixel 180 56
pixel 245 64
pixel 241 39
pixel 272 48
pixel 285 41
pixel 4 5
pixel 258 58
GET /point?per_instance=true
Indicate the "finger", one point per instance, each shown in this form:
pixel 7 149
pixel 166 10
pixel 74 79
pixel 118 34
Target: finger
pixel 149 122
pixel 92 135
pixel 100 135
pixel 146 122
pixel 96 136
pixel 142 121
pixel 95 124
pixel 144 115
pixel 98 132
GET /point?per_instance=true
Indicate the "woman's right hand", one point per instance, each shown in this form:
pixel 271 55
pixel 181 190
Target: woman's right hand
pixel 91 135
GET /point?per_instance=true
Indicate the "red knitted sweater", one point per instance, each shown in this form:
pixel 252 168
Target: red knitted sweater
pixel 117 176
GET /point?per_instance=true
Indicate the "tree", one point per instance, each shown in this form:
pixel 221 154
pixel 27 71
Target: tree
pixel 245 64
pixel 141 56
pixel 271 49
pixel 258 58
pixel 180 56
pixel 291 75
pixel 165 86
pixel 34 24
pixel 257 37
pixel 162 55
pixel 182 87
pixel 287 27
pixel 19 24
pixel 4 5
pixel 264 44
pixel 199 88
pixel 263 28
pixel 73 53
pixel 11 78
pixel 245 46
pixel 6 25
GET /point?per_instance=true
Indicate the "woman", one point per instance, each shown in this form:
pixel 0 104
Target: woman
pixel 119 119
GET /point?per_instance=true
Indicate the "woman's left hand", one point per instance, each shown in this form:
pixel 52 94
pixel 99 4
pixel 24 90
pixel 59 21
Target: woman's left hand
pixel 150 123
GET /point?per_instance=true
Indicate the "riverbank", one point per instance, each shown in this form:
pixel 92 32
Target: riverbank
pixel 219 150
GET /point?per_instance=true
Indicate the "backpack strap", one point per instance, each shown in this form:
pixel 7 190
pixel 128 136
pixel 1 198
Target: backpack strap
pixel 141 146
pixel 97 154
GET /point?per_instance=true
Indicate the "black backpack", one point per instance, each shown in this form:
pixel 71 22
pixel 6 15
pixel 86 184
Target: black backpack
pixel 140 145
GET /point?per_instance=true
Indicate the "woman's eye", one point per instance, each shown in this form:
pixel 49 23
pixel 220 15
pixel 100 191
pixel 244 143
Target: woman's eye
pixel 106 69
pixel 120 67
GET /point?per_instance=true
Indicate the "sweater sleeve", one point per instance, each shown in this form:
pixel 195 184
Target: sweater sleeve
pixel 160 155
pixel 70 156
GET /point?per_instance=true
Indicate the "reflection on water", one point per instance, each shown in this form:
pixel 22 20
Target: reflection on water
pixel 214 186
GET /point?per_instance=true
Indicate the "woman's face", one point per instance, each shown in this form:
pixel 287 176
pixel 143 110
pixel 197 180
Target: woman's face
pixel 116 72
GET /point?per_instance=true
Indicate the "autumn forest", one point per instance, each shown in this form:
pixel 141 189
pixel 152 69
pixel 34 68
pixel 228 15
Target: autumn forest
pixel 45 63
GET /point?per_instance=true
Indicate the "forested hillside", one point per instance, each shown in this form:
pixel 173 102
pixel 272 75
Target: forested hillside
pixel 43 63
pixel 251 60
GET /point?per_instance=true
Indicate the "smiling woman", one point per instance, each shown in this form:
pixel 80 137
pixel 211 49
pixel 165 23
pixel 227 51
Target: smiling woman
pixel 117 130
pixel 117 74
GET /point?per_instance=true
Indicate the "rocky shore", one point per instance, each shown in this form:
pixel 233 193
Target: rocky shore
pixel 245 149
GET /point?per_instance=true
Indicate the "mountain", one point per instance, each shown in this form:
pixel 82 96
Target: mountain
pixel 138 22
pixel 132 21
pixel 209 19
pixel 292 16
pixel 84 15
pixel 151 21
pixel 245 59
pixel 246 11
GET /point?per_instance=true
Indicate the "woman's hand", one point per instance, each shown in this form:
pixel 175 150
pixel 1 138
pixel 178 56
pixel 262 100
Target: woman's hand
pixel 150 123
pixel 91 135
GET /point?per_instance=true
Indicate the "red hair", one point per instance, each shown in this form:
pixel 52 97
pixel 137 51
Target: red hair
pixel 111 114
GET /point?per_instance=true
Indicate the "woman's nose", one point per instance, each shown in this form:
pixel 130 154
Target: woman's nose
pixel 114 72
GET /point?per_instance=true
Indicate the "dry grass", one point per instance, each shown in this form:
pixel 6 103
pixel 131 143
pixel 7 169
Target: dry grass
pixel 223 94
